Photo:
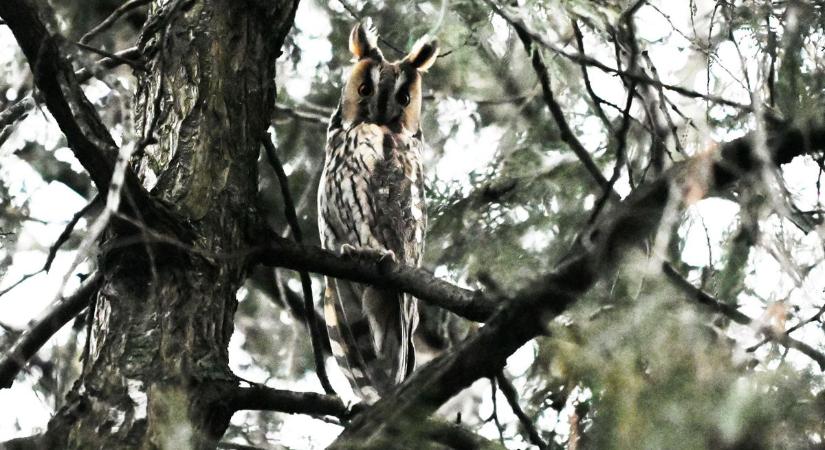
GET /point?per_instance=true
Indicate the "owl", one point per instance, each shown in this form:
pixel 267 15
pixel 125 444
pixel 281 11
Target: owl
pixel 371 203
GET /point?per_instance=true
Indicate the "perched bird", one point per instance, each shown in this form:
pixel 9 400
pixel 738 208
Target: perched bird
pixel 371 203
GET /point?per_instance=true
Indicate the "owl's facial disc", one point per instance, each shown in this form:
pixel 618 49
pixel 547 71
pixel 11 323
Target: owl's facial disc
pixel 384 93
pixel 386 105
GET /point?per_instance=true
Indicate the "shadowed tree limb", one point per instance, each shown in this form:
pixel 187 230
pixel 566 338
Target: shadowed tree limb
pixel 21 107
pixel 35 337
pixel 306 283
pixel 592 62
pixel 597 253
pixel 264 398
pixel 729 311
pixel 111 19
pixel 281 252
pixel 85 133
pixel 511 395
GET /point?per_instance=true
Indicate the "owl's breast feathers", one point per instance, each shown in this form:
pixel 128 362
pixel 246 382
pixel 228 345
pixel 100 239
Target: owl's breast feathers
pixel 373 186
pixel 372 196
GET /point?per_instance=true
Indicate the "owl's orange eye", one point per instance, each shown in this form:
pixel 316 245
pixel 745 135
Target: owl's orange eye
pixel 403 98
pixel 364 90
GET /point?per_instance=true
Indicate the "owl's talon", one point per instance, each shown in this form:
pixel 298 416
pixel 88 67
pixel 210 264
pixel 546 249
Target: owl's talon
pixel 347 249
pixel 387 261
pixel 386 258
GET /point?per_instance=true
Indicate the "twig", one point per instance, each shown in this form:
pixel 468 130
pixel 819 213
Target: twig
pixel 621 156
pixel 35 337
pixel 19 282
pixel 136 65
pixel 263 398
pixel 111 19
pixel 511 395
pixel 306 282
pixel 20 108
pixel 734 314
pixel 564 128
pixel 494 414
pixel 360 18
pixel 597 101
pixel 67 231
pixel 639 78
pixel 306 116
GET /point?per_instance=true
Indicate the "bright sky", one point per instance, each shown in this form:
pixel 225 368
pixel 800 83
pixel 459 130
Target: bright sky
pixel 466 150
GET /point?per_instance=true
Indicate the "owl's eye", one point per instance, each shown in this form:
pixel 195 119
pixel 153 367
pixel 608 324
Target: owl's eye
pixel 365 90
pixel 403 98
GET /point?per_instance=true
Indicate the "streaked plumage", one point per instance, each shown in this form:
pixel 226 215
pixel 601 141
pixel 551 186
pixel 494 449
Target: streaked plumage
pixel 371 200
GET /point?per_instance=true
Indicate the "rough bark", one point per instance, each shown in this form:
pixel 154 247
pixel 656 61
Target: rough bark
pixel 156 374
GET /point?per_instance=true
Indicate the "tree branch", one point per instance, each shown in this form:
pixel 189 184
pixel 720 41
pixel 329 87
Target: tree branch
pixel 597 253
pixel 280 252
pixel 566 133
pixel 85 133
pixel 511 395
pixel 111 19
pixel 729 311
pixel 20 108
pixel 35 337
pixel 264 398
pixel 316 336
pixel 592 62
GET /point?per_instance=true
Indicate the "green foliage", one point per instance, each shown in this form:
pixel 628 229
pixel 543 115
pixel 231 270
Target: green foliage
pixel 661 377
pixel 636 363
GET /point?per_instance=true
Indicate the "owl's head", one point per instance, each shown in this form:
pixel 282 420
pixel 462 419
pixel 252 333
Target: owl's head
pixel 383 92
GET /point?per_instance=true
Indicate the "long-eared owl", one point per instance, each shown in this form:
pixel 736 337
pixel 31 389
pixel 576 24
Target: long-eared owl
pixel 371 201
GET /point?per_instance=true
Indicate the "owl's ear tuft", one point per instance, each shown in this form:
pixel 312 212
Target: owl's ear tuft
pixel 363 40
pixel 423 54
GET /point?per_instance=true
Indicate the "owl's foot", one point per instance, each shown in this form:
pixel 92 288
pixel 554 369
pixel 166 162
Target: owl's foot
pixel 386 258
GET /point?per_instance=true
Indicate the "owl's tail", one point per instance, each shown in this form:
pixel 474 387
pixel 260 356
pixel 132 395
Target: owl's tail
pixel 371 335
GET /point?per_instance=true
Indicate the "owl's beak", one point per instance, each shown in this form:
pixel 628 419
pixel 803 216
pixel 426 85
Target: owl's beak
pixel 390 116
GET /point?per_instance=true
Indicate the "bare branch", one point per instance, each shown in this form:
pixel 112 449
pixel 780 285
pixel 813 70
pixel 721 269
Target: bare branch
pixel 53 320
pixel 735 315
pixel 113 17
pixel 20 108
pixel 511 395
pixel 85 133
pixel 280 252
pixel 307 116
pixel 306 283
pixel 592 62
pixel 67 231
pixel 135 65
pixel 597 101
pixel 597 253
pixel 265 398
pixel 567 134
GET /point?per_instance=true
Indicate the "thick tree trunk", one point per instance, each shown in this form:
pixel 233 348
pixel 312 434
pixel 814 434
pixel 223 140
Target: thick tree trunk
pixel 156 374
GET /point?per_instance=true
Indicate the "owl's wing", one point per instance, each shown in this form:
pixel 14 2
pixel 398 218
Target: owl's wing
pixel 397 187
pixel 372 200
